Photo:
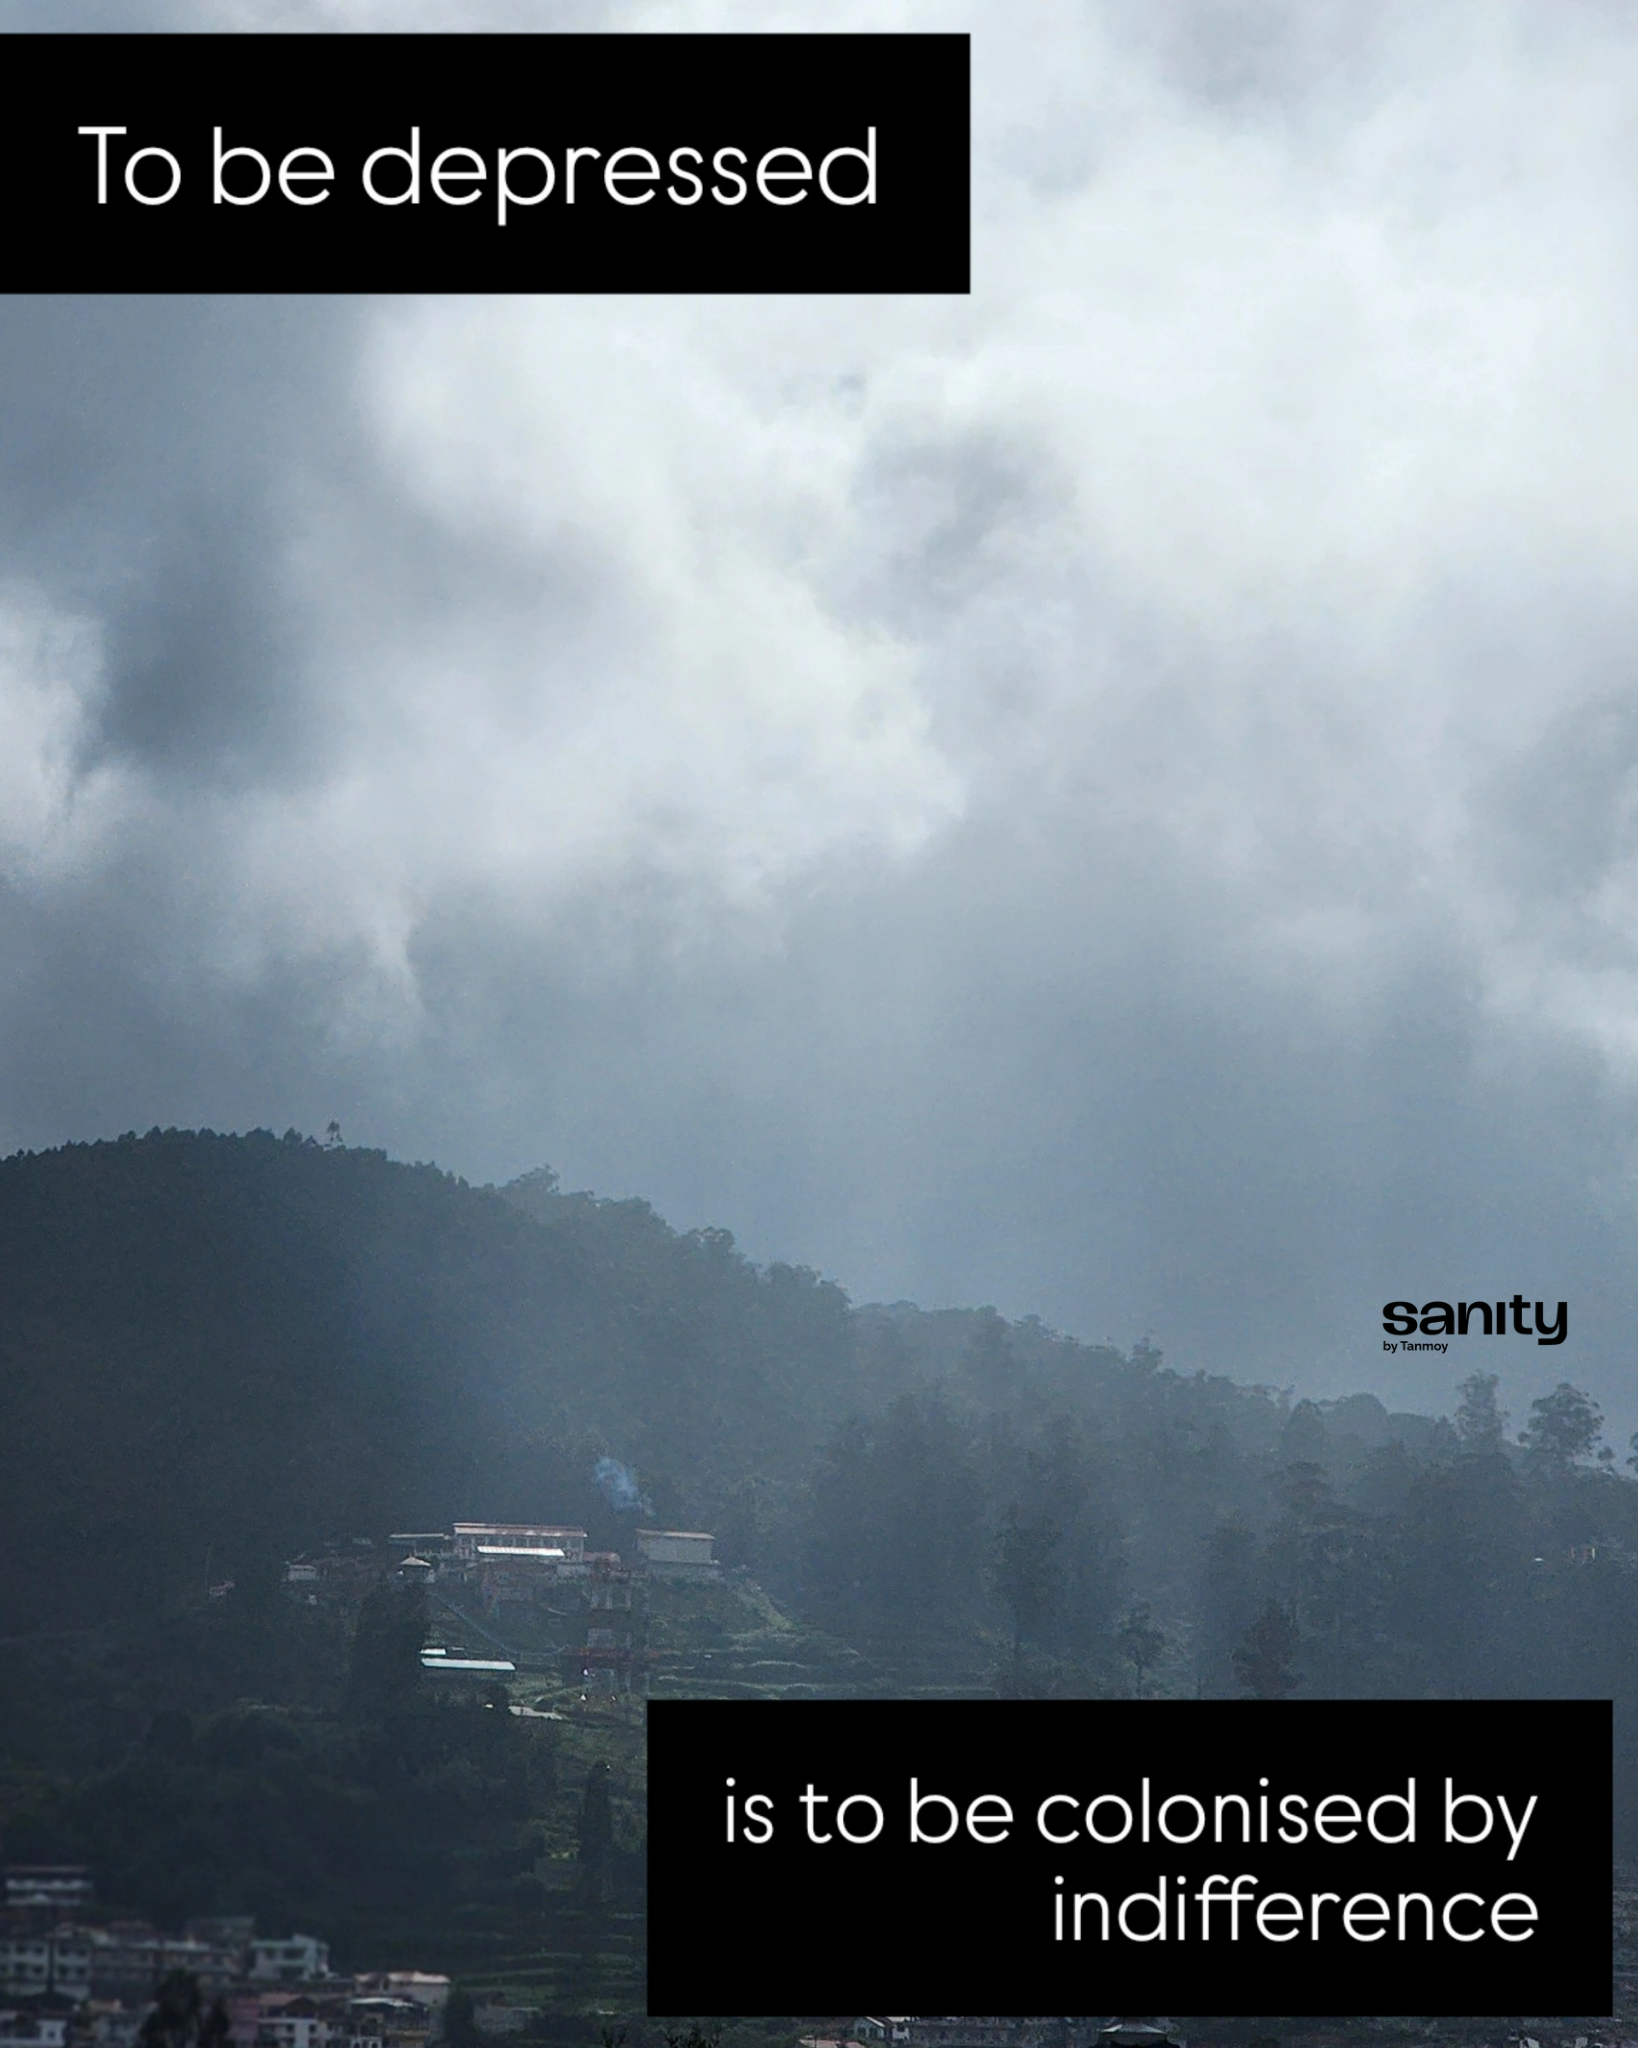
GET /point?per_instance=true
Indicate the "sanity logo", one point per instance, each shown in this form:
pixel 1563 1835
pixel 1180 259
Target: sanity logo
pixel 1439 1319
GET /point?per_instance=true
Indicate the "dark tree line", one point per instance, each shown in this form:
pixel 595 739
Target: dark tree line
pixel 1166 1546
pixel 216 1351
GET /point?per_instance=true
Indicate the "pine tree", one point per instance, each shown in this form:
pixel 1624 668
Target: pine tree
pixel 179 2018
pixel 1142 1643
pixel 1480 1422
pixel 1265 1663
pixel 1026 1574
pixel 387 1642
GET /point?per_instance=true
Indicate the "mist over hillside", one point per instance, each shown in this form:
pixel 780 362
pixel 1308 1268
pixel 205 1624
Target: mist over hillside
pixel 247 1345
pixel 215 1351
pixel 242 1346
pixel 218 1352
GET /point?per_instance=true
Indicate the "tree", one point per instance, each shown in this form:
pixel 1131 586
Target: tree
pixel 594 1838
pixel 1304 1440
pixel 460 2021
pixel 387 1643
pixel 1480 1420
pixel 988 1365
pixel 894 1535
pixel 1026 1574
pixel 1226 1605
pixel 179 2018
pixel 1142 1643
pixel 1318 1555
pixel 1459 1554
pixel 1563 1429
pixel 1065 1484
pixel 174 2020
pixel 1265 1663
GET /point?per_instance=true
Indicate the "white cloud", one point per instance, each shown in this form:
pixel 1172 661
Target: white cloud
pixel 1264 400
pixel 1228 610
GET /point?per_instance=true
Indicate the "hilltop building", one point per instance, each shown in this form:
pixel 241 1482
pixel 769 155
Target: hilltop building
pixel 678 1554
pixel 541 1542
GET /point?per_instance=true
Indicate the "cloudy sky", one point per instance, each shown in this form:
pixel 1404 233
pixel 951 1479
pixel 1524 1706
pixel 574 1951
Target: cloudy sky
pixel 1116 796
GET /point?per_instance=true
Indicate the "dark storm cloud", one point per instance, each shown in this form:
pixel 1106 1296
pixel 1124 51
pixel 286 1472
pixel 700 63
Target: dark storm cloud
pixel 151 452
pixel 992 1083
pixel 1115 798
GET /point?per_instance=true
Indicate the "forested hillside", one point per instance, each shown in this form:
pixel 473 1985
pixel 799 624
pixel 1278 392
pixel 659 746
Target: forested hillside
pixel 243 1346
pixel 217 1351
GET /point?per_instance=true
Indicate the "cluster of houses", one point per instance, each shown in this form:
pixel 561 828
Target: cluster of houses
pixel 502 1571
pixel 502 1558
pixel 501 1561
pixel 68 1984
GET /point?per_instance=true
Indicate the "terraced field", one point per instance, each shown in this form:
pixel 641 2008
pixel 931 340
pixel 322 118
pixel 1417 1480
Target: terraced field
pixel 732 1642
pixel 722 1641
